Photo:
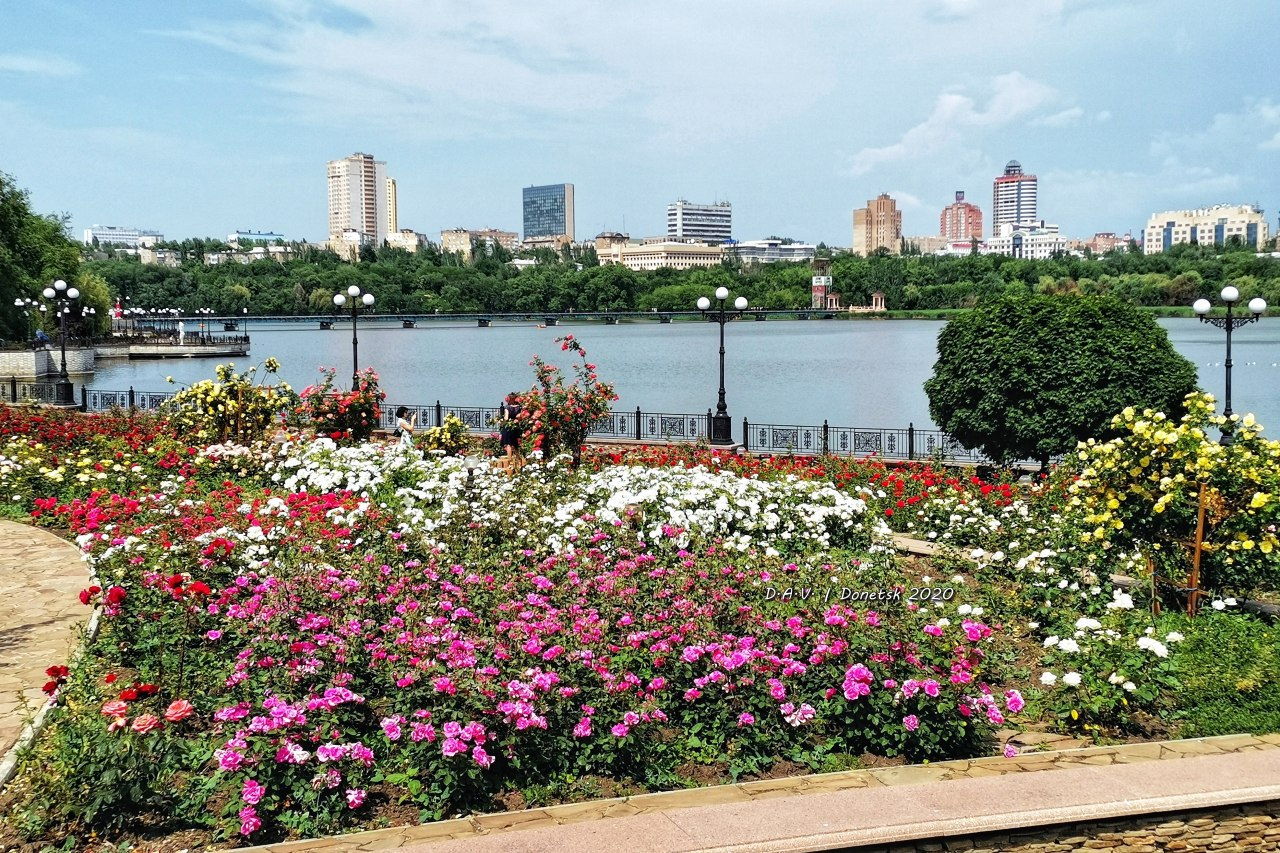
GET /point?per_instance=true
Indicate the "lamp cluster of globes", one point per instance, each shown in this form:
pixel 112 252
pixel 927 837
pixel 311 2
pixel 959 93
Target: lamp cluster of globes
pixel 340 299
pixel 722 293
pixel 1231 296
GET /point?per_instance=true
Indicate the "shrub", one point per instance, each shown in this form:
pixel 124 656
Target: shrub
pixel 344 416
pixel 557 417
pixel 1029 377
pixel 1142 490
pixel 234 407
pixel 450 437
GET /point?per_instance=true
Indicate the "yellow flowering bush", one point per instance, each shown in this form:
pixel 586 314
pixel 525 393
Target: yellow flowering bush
pixel 1142 490
pixel 450 437
pixel 234 407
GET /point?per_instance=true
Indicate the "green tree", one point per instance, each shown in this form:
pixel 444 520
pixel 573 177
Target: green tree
pixel 1029 376
pixel 34 252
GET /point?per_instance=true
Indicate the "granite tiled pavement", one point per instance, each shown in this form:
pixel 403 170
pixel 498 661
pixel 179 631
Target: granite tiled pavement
pixel 40 618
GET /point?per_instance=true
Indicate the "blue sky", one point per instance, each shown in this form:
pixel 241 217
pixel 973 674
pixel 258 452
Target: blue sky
pixel 200 119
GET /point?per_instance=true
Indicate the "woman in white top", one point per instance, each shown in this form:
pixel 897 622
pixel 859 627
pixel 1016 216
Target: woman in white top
pixel 404 426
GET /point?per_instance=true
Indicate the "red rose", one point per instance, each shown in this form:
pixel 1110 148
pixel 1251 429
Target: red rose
pixel 128 694
pixel 110 678
pixel 116 594
pixel 50 687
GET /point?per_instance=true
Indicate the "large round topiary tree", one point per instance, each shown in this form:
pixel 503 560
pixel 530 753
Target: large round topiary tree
pixel 1026 377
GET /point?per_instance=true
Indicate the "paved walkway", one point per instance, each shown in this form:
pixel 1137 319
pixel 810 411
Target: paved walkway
pixel 856 807
pixel 40 613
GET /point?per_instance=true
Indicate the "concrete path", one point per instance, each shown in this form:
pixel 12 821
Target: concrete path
pixel 860 807
pixel 40 616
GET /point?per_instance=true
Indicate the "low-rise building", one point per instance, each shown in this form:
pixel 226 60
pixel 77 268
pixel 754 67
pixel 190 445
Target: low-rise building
pixel 239 237
pixel 407 239
pixel 1033 241
pixel 114 235
pixel 460 241
pixel 769 251
pixel 645 255
pixel 1210 226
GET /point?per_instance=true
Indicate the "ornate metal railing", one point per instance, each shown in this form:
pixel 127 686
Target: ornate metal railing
pixel 96 400
pixel 894 443
pixel 800 439
pixel 15 391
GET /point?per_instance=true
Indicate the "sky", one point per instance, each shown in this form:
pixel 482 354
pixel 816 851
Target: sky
pixel 201 119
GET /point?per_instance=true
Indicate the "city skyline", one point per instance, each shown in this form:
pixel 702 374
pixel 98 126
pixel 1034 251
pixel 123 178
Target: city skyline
pixel 196 125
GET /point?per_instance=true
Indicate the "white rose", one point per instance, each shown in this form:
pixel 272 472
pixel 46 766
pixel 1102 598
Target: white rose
pixel 1071 679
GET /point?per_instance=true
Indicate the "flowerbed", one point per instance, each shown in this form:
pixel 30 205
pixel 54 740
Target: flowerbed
pixel 307 637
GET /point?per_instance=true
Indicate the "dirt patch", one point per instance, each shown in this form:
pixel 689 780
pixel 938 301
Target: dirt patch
pixel 872 762
pixel 780 769
pixel 704 774
pixel 511 801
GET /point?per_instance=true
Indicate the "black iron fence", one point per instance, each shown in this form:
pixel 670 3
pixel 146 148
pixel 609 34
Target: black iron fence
pixel 25 391
pixel 639 426
pixel 804 440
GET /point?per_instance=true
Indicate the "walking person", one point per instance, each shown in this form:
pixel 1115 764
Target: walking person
pixel 509 428
pixel 404 426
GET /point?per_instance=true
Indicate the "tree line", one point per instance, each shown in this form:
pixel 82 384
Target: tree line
pixel 430 281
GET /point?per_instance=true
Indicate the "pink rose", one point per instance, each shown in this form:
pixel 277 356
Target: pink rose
pixel 179 710
pixel 146 723
pixel 116 708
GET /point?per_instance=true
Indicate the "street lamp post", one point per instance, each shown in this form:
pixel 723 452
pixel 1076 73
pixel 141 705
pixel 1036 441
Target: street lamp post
pixel 26 306
pixel 1231 296
pixel 64 296
pixel 721 425
pixel 357 299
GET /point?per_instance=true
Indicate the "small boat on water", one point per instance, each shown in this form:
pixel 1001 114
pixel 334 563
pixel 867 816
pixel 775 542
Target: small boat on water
pixel 230 325
pixel 409 324
pixel 326 324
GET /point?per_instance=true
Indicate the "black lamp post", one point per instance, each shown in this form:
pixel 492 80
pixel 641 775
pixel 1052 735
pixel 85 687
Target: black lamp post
pixel 1231 296
pixel 357 299
pixel 721 426
pixel 63 296
pixel 26 306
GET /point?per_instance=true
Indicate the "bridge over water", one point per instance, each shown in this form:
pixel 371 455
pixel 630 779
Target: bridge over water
pixel 486 318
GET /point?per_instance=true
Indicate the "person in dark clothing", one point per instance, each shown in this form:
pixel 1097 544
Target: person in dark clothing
pixel 509 429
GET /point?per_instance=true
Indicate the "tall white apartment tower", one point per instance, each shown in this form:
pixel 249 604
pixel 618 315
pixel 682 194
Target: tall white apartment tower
pixel 358 196
pixel 1013 197
pixel 710 223
pixel 393 216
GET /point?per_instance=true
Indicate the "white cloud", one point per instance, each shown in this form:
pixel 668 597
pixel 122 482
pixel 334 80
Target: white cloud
pixel 956 117
pixel 1272 144
pixel 906 199
pixel 1063 119
pixel 46 66
pixel 492 69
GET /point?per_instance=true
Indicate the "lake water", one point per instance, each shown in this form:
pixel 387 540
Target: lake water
pixel 849 373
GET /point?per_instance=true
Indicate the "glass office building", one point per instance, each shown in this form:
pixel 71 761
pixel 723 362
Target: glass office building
pixel 548 211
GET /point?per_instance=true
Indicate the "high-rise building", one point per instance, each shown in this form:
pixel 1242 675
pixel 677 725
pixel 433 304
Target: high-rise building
pixel 393 214
pixel 548 211
pixel 1206 226
pixel 1013 197
pixel 877 226
pixel 358 199
pixel 960 220
pixel 707 223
